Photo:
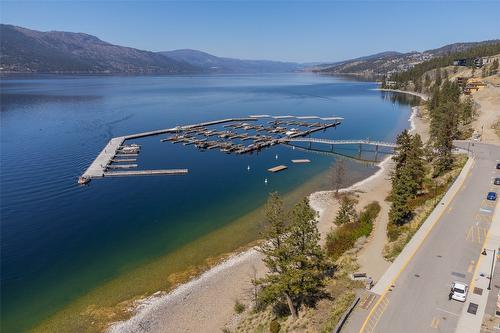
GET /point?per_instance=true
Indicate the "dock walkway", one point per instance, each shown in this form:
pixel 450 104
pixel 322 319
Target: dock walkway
pixel 98 167
pixel 146 172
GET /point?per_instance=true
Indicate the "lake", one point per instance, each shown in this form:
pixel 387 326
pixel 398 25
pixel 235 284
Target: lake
pixel 70 253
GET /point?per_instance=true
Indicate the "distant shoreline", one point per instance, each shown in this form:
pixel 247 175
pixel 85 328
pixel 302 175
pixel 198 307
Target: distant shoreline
pixel 422 96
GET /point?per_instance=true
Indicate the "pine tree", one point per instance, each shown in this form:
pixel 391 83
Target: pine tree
pixel 443 139
pixel 416 163
pixel 438 77
pixel 427 80
pixel 418 85
pixel 467 110
pixel 400 212
pixel 309 261
pixel 401 151
pixel 294 258
pixel 275 231
pixel 494 67
pixel 347 211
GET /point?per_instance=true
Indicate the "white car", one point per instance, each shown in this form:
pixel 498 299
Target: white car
pixel 459 291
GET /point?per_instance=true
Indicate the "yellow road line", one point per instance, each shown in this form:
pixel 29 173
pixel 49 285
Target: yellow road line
pixel 470 233
pixel 435 322
pixel 413 254
pixel 471 266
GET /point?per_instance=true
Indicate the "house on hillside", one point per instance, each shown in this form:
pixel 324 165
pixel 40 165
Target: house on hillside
pixel 460 62
pixel 478 62
pixel 473 85
pixel 391 84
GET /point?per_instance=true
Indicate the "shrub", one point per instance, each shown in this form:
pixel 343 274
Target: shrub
pixel 275 326
pixel 344 237
pixel 239 307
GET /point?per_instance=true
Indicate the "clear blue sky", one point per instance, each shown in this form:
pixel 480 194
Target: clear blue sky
pixel 296 30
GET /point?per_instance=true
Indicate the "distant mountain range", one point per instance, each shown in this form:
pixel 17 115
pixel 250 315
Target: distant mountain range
pixel 391 62
pixel 29 51
pixel 213 64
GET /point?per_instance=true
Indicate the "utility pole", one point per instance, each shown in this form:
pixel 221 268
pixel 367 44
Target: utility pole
pixel 492 264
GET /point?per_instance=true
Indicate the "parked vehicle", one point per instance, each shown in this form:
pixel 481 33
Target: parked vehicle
pixel 492 196
pixel 497 181
pixel 459 291
pixel 498 165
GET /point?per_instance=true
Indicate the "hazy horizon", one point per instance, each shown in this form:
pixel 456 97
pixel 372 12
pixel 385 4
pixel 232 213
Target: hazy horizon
pixel 293 31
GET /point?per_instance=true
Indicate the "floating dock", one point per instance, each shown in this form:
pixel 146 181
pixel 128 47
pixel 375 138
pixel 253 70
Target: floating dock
pixel 301 161
pixel 124 160
pixel 278 168
pixel 122 166
pixel 146 172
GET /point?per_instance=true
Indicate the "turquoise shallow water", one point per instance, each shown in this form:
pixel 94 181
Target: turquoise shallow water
pixel 60 240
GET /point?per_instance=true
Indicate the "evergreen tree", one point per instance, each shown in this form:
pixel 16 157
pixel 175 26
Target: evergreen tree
pixel 438 78
pixel 494 67
pixel 416 163
pixel 467 110
pixel 418 85
pixel 446 131
pixel 275 230
pixel 408 176
pixel 294 258
pixel 400 211
pixel 401 151
pixel 427 81
pixel 309 261
pixel 347 211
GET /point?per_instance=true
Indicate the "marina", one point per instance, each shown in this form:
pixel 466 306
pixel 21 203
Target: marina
pixel 229 138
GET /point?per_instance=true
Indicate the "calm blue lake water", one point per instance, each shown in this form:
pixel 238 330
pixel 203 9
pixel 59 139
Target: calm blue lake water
pixel 60 240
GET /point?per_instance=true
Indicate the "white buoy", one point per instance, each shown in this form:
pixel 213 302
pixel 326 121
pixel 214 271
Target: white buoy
pixel 248 168
pixel 293 147
pixel 276 156
pixel 265 181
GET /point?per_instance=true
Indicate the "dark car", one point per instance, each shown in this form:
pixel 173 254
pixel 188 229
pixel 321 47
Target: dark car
pixel 497 181
pixel 491 196
pixel 498 165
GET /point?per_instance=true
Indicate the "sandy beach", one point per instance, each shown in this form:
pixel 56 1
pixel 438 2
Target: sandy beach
pixel 206 304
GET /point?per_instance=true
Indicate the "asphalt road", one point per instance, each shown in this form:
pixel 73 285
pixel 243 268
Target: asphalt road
pixel 418 302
